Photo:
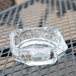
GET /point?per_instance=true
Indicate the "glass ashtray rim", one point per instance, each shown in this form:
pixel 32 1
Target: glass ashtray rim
pixel 47 29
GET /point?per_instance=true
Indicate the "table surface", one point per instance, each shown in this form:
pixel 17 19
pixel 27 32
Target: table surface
pixel 31 17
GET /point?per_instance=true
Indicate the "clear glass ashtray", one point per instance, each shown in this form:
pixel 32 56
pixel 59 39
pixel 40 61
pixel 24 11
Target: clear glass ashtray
pixel 37 46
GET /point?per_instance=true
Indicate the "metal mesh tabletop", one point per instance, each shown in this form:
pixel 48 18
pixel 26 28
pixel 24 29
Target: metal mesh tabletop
pixel 59 14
